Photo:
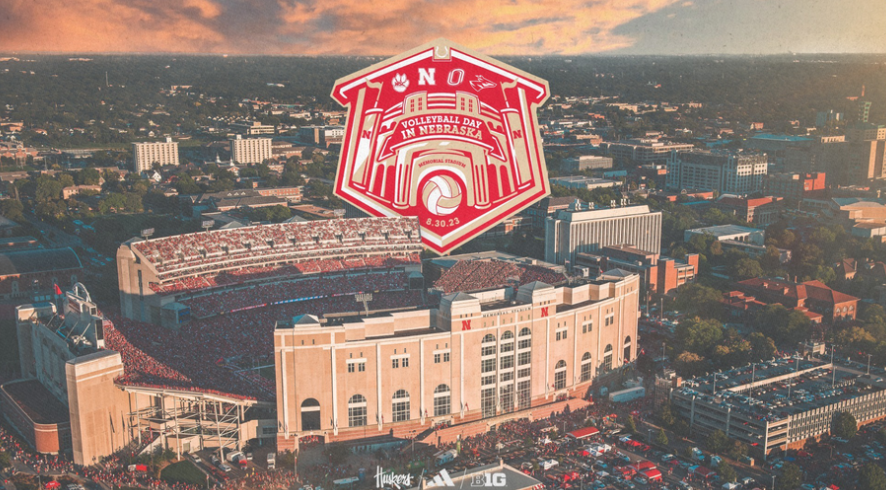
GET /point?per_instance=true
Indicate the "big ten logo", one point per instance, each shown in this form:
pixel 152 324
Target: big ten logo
pixel 489 480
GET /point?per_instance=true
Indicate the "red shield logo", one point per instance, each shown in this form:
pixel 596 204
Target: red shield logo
pixel 445 134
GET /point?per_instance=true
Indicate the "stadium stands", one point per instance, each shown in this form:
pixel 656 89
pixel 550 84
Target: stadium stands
pixel 216 250
pixel 474 275
pixel 201 356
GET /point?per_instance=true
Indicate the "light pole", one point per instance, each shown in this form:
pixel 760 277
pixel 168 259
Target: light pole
pixel 869 364
pixel 773 482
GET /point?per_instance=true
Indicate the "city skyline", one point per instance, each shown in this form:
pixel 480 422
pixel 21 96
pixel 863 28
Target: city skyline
pixel 344 27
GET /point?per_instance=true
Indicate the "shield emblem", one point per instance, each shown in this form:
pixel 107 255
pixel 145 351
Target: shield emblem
pixel 444 134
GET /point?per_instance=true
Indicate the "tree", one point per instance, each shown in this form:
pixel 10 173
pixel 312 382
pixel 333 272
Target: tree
pixel 747 268
pixel 871 477
pixel 697 300
pixel 689 364
pixel 630 425
pixel 697 335
pixel 762 347
pixel 716 441
pixel 738 450
pixel 844 425
pixel 785 327
pixel 791 477
pixel 661 438
pixel 47 188
pixel 726 472
pixel 12 209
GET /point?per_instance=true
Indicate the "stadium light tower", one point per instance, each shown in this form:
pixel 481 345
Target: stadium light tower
pixel 207 225
pixel 147 233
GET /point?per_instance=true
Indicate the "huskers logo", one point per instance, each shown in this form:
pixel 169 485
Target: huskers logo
pixel 444 134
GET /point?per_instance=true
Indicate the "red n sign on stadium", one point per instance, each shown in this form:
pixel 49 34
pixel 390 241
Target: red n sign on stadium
pixel 444 134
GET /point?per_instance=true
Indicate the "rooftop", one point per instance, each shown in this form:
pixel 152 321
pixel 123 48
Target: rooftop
pixel 37 402
pixel 38 260
pixel 725 230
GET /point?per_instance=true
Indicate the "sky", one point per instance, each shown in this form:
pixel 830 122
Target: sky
pixel 387 27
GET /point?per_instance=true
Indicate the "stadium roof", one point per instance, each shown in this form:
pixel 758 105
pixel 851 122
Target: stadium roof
pixel 38 260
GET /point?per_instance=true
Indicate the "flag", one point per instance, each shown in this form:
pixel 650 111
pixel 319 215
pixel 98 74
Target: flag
pixel 58 291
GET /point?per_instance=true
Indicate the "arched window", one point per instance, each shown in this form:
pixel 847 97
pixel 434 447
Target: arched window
pixel 607 358
pixel 507 342
pixel 586 367
pixel 560 375
pixel 627 356
pixel 357 411
pixel 488 345
pixel 524 340
pixel 442 401
pixel 400 406
pixel 310 414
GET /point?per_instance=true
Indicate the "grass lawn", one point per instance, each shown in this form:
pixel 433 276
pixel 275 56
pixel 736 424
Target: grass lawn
pixel 184 472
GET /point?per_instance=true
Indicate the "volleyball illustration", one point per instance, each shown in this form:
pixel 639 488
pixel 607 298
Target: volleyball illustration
pixel 441 195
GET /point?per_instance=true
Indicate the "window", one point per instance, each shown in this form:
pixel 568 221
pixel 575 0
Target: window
pixel 445 357
pixel 487 380
pixel 586 367
pixel 524 395
pixel 405 362
pixel 525 339
pixel 400 406
pixel 442 401
pixel 487 365
pixel 488 345
pixel 627 350
pixel 506 398
pixel 507 362
pixel 487 402
pixel 561 334
pixel 395 363
pixel 607 358
pixel 310 414
pixel 587 327
pixel 523 373
pixel 507 376
pixel 509 347
pixel 352 367
pixel 508 335
pixel 560 375
pixel 437 358
pixel 524 358
pixel 357 411
pixel 361 367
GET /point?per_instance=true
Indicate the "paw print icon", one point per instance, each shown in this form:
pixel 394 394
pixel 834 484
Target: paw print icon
pixel 400 82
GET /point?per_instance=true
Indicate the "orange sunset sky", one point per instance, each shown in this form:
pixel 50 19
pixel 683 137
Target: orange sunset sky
pixel 317 27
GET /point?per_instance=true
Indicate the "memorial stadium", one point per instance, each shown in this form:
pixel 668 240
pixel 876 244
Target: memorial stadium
pixel 323 330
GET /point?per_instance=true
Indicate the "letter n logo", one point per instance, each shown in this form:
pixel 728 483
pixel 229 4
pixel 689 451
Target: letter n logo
pixel 465 325
pixel 517 134
pixel 367 133
pixel 544 311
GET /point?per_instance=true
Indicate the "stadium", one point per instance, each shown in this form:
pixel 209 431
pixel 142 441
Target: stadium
pixel 319 329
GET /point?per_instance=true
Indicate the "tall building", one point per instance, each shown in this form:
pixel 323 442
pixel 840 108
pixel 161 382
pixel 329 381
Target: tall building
pixel 144 155
pixel 796 186
pixel 574 230
pixel 496 354
pixel 867 152
pixel 586 162
pixel 642 151
pixel 250 150
pixel 725 172
pixel 826 154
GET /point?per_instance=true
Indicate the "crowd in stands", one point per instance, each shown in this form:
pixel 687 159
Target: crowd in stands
pixel 196 252
pixel 475 275
pixel 247 274
pixel 201 355
pixel 268 294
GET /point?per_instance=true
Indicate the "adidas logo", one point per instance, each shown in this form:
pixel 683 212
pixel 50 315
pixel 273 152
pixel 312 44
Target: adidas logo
pixel 441 480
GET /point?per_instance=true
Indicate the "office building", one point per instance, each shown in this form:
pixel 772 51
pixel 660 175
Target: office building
pixel 658 274
pixel 642 151
pixel 586 162
pixel 250 150
pixel 722 171
pixel 796 186
pixel 577 230
pixel 582 182
pixel 761 211
pixel 145 155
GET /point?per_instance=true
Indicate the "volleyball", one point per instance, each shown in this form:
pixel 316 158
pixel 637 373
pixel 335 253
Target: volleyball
pixel 442 195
